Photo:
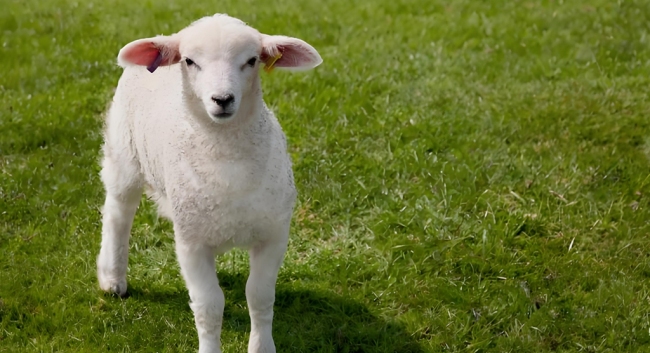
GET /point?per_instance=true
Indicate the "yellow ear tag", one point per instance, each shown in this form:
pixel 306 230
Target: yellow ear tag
pixel 269 67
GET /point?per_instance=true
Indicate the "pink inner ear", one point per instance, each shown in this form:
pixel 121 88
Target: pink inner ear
pixel 293 55
pixel 143 54
pixel 151 52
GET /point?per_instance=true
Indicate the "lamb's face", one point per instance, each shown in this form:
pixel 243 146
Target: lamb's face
pixel 220 57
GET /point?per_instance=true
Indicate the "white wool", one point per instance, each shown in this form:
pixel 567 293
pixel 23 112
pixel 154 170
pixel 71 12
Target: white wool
pixel 198 137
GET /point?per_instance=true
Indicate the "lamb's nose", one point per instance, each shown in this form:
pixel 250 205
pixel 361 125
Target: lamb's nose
pixel 223 101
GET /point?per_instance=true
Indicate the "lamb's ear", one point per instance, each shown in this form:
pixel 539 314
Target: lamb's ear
pixel 150 52
pixel 289 53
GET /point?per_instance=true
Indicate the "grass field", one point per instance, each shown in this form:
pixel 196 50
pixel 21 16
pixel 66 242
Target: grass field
pixel 473 176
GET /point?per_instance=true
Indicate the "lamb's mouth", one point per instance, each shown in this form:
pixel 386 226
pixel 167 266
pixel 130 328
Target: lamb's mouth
pixel 223 115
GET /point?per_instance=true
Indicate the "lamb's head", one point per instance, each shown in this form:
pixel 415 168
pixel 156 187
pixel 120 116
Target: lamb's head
pixel 220 57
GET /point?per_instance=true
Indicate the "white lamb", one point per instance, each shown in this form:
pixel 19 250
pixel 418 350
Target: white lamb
pixel 198 137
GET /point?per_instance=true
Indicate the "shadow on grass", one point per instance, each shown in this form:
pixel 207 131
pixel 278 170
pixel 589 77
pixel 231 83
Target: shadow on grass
pixel 305 320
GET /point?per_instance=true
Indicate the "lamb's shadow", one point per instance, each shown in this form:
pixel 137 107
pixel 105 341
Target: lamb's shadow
pixel 305 320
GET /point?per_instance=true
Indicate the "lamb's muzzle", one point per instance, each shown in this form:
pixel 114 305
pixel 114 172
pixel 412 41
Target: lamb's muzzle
pixel 224 105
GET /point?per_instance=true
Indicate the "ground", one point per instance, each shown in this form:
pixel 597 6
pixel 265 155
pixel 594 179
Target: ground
pixel 473 176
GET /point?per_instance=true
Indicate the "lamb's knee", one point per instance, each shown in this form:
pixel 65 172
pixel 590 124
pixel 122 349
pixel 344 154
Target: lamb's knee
pixel 208 315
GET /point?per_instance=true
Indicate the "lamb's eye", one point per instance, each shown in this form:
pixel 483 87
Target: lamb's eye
pixel 189 62
pixel 252 61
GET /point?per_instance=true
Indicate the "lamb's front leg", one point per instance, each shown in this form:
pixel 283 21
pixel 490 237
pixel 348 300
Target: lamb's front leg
pixel 207 300
pixel 265 261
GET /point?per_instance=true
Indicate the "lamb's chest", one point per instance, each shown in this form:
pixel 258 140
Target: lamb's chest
pixel 227 199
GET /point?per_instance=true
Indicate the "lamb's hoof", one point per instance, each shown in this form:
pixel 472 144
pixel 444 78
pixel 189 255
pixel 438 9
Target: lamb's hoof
pixel 119 290
pixel 114 287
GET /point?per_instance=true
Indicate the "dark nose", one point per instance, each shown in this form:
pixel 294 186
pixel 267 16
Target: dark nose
pixel 223 101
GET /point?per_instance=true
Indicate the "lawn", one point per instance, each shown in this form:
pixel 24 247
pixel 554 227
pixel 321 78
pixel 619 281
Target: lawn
pixel 473 176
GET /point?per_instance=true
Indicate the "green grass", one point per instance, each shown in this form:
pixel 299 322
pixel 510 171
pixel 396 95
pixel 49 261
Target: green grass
pixel 473 177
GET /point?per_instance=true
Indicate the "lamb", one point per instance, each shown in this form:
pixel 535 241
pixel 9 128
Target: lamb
pixel 188 125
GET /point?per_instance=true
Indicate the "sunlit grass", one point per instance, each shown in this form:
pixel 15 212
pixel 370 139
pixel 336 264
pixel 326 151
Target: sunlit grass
pixel 473 177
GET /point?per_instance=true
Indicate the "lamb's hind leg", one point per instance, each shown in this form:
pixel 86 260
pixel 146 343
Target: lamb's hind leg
pixel 123 190
pixel 265 262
